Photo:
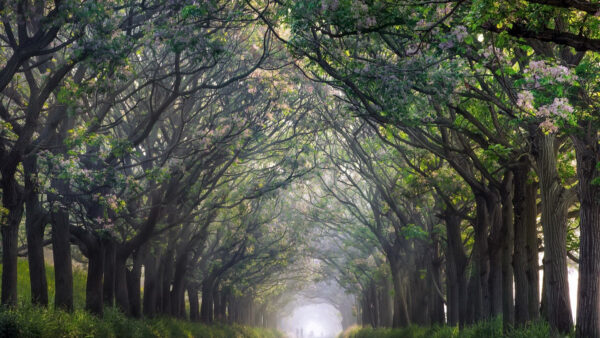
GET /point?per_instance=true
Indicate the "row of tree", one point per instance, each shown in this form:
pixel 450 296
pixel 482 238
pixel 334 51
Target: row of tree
pixel 463 140
pixel 442 146
pixel 152 137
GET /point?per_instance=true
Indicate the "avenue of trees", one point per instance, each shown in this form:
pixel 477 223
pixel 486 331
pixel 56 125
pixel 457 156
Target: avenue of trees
pixel 425 153
pixel 150 138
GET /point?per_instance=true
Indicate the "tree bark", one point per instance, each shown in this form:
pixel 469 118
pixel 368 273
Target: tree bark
pixel 166 276
pixel 206 309
pixel 34 226
pixel 456 263
pixel 151 285
pixel 178 282
pixel 194 304
pixel 93 289
pixel 533 270
pixel 588 294
pixel 481 267
pixel 508 305
pixel 495 247
pixel 12 200
pixel 61 252
pixel 133 287
pixel 554 223
pixel 387 306
pixel 520 247
pixel 109 273
pixel 401 314
pixel 121 290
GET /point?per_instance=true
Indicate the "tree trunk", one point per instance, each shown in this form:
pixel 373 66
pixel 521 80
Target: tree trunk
pixel 588 294
pixel 194 304
pixel 495 245
pixel 151 285
pixel 133 287
pixel 9 261
pixel 206 309
pixel 366 310
pixel 63 266
pixel 166 276
pixel 121 291
pixel 508 305
pixel 520 246
pixel 554 223
pixel 401 318
pixel 435 304
pixel 481 267
pixel 93 289
pixel 456 263
pixel 374 304
pixel 387 306
pixel 108 291
pixel 34 226
pixel 178 283
pixel 13 201
pixel 533 271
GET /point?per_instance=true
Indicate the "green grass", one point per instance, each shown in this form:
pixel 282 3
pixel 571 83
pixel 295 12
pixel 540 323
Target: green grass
pixel 487 329
pixel 32 321
pixel 24 288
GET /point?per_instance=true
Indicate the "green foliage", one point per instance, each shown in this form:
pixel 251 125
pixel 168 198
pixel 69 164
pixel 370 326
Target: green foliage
pixel 487 329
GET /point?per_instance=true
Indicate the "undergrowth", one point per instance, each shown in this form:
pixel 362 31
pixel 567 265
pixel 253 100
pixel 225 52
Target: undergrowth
pixel 486 329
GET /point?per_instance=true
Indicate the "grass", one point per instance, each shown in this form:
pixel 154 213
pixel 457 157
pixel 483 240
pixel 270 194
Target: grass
pixel 24 288
pixel 486 329
pixel 32 321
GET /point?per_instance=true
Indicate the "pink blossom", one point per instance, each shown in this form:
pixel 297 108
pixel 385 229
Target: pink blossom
pixel 525 100
pixel 548 126
pixel 560 107
pixel 554 74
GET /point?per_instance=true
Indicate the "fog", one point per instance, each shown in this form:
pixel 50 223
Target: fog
pixel 318 320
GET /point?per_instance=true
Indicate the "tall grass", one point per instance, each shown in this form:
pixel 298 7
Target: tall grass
pixel 32 321
pixel 485 329
pixel 24 286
